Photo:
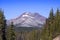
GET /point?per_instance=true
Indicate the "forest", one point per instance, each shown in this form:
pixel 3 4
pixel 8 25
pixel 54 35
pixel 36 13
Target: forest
pixel 49 31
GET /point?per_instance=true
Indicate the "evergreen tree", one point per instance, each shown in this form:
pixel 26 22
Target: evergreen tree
pixel 50 27
pixel 45 31
pixel 57 22
pixel 2 25
pixel 11 32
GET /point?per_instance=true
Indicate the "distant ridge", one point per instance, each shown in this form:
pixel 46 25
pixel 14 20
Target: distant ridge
pixel 28 19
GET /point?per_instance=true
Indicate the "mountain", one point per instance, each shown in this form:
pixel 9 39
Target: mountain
pixel 28 19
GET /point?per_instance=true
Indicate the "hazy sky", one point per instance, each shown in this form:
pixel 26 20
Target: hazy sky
pixel 14 8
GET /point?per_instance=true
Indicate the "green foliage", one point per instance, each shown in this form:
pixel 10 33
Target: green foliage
pixel 52 26
pixel 11 32
pixel 2 25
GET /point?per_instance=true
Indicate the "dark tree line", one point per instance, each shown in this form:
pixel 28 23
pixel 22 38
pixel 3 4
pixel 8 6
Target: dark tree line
pixel 2 25
pixel 3 28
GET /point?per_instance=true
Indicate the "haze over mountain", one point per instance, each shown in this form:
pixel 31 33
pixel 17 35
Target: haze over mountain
pixel 28 19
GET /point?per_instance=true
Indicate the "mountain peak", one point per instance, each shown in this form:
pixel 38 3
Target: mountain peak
pixel 26 13
pixel 28 19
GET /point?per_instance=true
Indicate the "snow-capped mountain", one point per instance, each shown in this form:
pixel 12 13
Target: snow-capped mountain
pixel 28 19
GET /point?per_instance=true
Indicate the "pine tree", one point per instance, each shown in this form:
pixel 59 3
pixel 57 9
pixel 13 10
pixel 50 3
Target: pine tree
pixel 11 32
pixel 57 22
pixel 2 25
pixel 50 27
pixel 45 31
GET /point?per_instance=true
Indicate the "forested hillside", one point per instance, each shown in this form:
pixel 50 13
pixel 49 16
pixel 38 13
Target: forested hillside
pixel 49 31
pixel 52 26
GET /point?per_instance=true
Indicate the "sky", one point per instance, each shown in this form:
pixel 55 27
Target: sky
pixel 14 8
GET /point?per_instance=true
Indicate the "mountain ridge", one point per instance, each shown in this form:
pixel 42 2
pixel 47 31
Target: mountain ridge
pixel 28 19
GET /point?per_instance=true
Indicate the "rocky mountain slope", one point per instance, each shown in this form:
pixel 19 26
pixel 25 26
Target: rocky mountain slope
pixel 28 19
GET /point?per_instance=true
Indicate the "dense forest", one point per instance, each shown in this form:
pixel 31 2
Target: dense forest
pixel 48 32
